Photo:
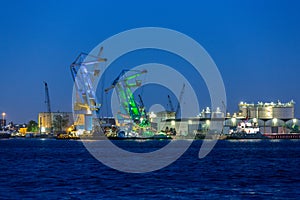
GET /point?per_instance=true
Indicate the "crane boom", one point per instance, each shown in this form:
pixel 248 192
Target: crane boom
pixel 84 71
pixel 171 104
pixel 180 99
pixel 123 72
pixel 129 108
pixel 141 101
pixel 47 98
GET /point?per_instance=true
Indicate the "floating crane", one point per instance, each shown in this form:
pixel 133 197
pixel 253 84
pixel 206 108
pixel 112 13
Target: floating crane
pixel 85 70
pixel 130 111
pixel 84 80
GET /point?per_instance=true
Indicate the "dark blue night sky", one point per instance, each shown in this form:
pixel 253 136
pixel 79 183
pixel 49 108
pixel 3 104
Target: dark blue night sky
pixel 255 44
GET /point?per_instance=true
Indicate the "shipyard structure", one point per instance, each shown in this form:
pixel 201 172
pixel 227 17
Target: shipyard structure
pixel 269 117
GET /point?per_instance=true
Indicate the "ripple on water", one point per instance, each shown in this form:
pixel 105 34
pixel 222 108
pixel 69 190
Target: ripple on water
pixel 64 169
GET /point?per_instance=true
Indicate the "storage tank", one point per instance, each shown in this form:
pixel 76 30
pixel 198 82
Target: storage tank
pixel 243 109
pixel 265 112
pixel 283 112
pixel 218 113
pixel 207 113
pixel 253 112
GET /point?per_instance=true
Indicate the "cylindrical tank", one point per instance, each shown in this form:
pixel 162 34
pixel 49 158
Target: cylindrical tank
pixel 252 112
pixel 265 112
pixel 207 113
pixel 217 115
pixel 243 110
pixel 283 112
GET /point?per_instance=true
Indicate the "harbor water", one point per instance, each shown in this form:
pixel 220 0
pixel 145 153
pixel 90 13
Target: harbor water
pixel 63 169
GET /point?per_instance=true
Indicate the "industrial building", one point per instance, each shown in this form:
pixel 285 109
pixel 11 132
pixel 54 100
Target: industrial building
pixel 50 122
pixel 206 120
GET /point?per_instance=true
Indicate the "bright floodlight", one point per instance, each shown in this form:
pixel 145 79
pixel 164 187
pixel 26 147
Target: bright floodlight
pixel 275 121
pixel 172 123
pixel 207 122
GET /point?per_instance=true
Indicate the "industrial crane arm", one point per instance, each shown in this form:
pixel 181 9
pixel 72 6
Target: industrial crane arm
pixel 127 100
pixel 123 72
pixel 47 98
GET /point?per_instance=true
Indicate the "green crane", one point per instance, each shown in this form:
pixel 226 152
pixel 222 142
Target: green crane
pixel 129 109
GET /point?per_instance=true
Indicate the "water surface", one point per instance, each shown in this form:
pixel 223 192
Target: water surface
pixel 51 169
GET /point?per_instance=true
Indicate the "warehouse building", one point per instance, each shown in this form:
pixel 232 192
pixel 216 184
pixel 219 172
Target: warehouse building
pixel 205 121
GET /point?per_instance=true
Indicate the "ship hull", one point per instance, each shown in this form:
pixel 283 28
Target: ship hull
pixel 244 135
pixel 282 135
pixel 4 135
